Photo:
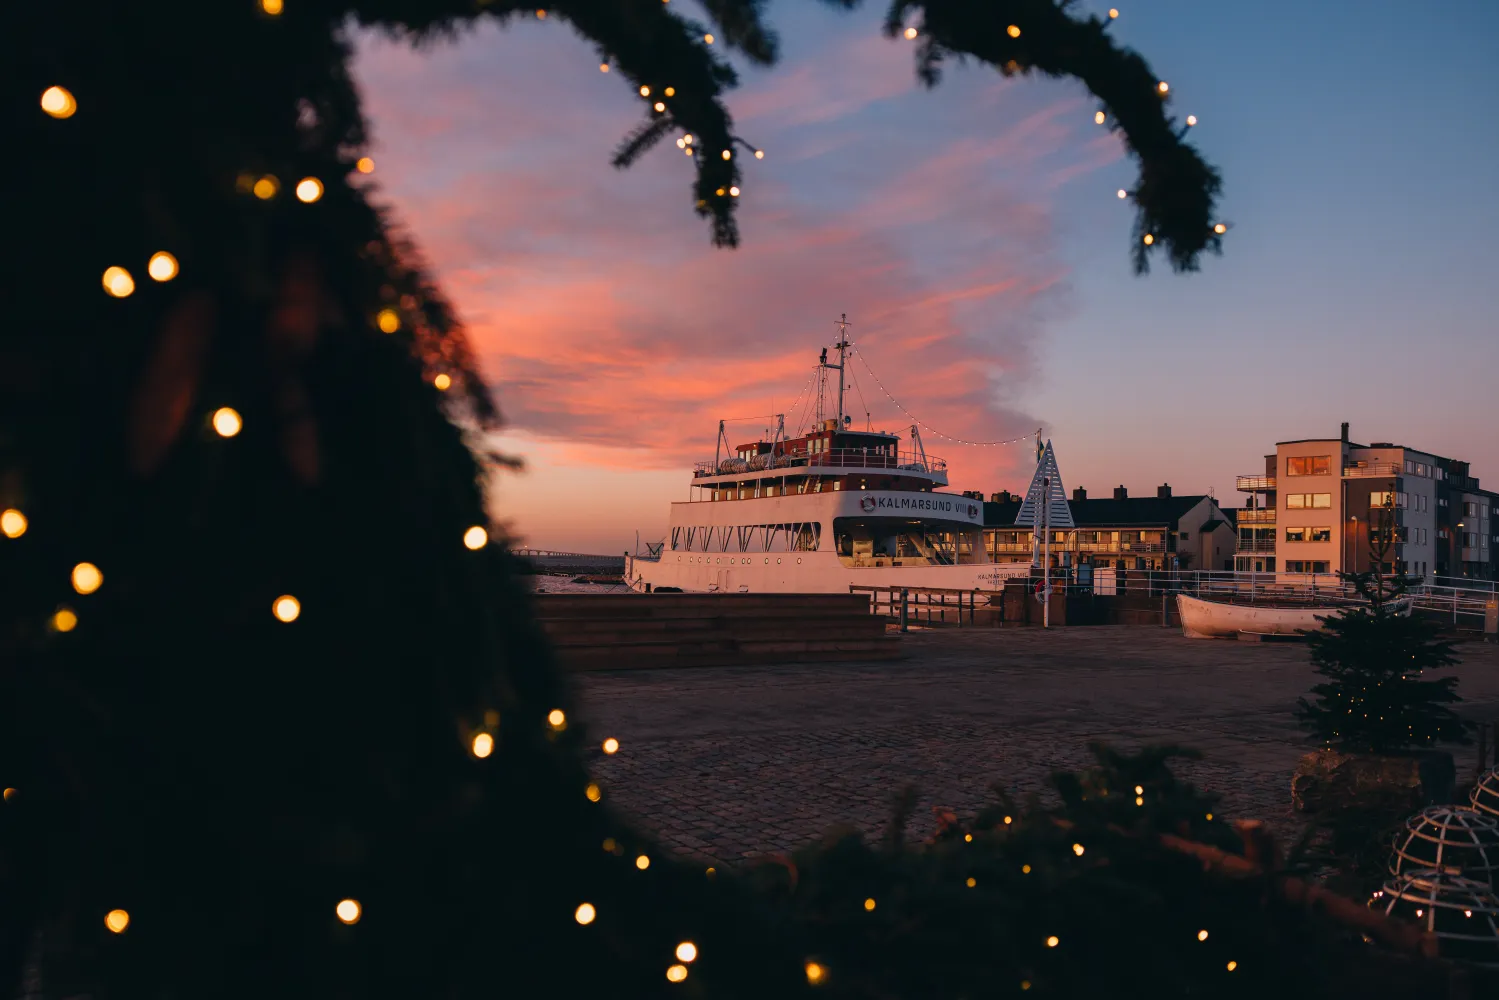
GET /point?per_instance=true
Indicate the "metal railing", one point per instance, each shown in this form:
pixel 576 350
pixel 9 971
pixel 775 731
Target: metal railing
pixel 1372 470
pixel 932 606
pixel 1254 484
pixel 1256 515
pixel 1261 545
pixel 838 458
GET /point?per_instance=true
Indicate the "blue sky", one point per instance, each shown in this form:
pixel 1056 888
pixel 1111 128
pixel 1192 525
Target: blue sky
pixel 973 235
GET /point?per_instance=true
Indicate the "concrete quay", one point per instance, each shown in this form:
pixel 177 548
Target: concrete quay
pixel 727 763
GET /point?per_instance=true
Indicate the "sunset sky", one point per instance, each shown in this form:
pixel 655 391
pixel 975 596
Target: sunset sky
pixel 973 237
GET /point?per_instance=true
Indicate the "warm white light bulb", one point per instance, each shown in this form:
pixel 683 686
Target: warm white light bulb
pixel 349 911
pixel 58 102
pixel 585 913
pixel 475 538
pixel 286 608
pixel 911 32
pixel 1123 194
pixel 87 578
pixel 1191 120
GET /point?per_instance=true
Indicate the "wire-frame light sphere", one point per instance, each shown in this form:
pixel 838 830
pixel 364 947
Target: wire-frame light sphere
pixel 1484 797
pixel 482 745
pixel 348 911
pixel 309 190
pixel 59 102
pixel 118 282
pixel 227 422
pixel 12 523
pixel 1463 914
pixel 1453 839
pixel 162 266
pixel 87 578
pixel 475 538
pixel 117 921
pixel 286 608
pixel 585 914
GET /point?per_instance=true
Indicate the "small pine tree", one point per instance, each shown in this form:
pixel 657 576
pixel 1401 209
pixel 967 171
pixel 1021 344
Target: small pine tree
pixel 1376 698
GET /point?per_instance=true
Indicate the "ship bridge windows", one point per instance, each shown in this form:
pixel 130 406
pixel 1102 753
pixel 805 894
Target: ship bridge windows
pixel 783 537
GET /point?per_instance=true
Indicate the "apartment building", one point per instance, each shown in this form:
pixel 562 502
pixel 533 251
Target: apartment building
pixel 1162 532
pixel 1319 507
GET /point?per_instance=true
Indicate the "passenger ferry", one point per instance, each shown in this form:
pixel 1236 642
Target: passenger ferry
pixel 819 512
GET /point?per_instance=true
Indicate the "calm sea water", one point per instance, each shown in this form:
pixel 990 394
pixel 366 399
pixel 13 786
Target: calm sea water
pixel 565 585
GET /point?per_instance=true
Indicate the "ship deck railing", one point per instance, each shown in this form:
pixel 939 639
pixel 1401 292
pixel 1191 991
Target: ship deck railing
pixel 838 458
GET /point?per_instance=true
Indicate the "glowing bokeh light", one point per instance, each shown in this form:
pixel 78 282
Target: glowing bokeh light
pixel 676 973
pixel 87 578
pixel 309 190
pixel 59 102
pixel 483 745
pixel 227 422
pixel 286 608
pixel 686 951
pixel 118 282
pixel 117 921
pixel 388 320
pixel 585 913
pixel 162 266
pixel 64 620
pixel 349 911
pixel 475 538
pixel 611 745
pixel 265 189
pixel 12 523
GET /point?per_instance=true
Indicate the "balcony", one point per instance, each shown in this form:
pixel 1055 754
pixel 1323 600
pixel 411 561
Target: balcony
pixel 1374 470
pixel 1258 515
pixel 1261 545
pixel 1254 484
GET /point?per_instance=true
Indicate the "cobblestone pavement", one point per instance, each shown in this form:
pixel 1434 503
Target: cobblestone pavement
pixel 729 763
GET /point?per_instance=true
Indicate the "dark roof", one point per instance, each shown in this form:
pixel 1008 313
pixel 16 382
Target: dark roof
pixel 1211 524
pixel 1106 512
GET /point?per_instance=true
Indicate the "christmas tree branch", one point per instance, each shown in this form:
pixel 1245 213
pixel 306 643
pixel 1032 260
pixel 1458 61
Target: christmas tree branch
pixel 1176 190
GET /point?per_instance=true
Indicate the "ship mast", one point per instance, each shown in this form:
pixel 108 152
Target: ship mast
pixel 842 345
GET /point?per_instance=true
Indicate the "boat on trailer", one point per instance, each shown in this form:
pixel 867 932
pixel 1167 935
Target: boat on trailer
pixel 819 511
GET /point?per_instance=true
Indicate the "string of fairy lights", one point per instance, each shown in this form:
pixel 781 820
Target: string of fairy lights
pixel 227 423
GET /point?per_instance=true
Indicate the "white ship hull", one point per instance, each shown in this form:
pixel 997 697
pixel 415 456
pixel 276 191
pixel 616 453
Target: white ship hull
pixel 789 544
pixel 803 573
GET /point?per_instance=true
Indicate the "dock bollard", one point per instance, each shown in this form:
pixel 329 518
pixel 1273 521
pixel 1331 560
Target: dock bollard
pixel 904 626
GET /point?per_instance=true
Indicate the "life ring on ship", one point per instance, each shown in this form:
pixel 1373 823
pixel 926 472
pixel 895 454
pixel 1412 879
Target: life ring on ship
pixel 1042 590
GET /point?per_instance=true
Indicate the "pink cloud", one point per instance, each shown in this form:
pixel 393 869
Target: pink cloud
pixel 608 327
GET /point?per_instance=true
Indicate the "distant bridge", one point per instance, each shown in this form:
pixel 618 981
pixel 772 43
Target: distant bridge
pixel 547 559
